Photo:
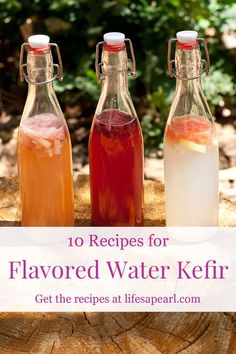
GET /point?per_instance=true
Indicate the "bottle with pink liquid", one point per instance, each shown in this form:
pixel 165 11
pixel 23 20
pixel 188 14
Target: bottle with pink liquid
pixel 44 147
pixel 116 143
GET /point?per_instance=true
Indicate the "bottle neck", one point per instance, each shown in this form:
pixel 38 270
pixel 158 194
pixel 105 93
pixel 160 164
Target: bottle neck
pixel 40 73
pixel 189 98
pixel 188 69
pixel 115 77
pixel 188 87
pixel 115 93
pixel 41 94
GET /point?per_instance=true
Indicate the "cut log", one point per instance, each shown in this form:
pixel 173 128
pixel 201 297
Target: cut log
pixel 114 333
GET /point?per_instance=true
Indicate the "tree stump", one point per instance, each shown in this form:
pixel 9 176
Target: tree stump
pixel 114 333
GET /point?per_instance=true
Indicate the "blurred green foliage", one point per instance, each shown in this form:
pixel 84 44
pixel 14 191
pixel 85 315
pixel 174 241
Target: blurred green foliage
pixel 77 25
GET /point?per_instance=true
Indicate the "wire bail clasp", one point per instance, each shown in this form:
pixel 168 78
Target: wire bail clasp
pixel 99 63
pixel 59 67
pixel 171 62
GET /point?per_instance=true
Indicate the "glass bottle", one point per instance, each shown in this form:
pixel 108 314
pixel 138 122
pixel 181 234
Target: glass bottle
pixel 44 147
pixel 116 143
pixel 191 160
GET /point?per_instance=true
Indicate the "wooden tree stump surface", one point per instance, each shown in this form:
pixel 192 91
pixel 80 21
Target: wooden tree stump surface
pixel 113 333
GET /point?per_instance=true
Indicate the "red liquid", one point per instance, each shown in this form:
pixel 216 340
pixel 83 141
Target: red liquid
pixel 116 170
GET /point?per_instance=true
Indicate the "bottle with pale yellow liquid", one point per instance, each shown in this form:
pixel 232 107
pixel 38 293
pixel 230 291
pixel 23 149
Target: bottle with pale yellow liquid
pixel 191 158
pixel 44 147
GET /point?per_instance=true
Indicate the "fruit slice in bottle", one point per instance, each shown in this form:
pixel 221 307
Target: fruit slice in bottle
pixel 194 133
pixel 188 144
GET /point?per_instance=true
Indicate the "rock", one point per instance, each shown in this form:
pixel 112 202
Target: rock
pixel 227 144
pixel 229 194
pixel 84 169
pixel 227 174
pixel 227 183
pixel 154 169
pixel 225 133
pixel 230 151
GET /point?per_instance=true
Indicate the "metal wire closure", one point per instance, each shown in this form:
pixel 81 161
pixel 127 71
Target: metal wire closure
pixel 98 64
pixel 205 63
pixel 59 67
pixel 131 62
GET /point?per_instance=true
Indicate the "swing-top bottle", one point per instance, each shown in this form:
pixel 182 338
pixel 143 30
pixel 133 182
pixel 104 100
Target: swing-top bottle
pixel 44 148
pixel 190 144
pixel 116 143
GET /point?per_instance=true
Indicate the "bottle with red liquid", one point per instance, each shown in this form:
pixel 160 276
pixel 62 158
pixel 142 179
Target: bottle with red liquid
pixel 116 143
pixel 44 147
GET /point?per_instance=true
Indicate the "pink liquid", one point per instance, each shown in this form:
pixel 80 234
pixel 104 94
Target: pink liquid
pixel 116 170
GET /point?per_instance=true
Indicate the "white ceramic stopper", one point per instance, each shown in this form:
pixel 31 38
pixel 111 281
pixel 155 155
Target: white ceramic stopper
pixel 186 36
pixel 38 41
pixel 114 38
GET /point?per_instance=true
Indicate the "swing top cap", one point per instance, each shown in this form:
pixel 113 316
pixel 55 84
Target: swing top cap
pixel 39 41
pixel 186 36
pixel 114 38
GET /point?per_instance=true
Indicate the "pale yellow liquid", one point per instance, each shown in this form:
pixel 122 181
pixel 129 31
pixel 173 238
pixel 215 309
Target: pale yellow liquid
pixel 45 175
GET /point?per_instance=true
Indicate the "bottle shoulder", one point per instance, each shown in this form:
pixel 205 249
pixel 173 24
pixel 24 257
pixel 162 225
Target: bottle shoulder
pixel 121 101
pixel 189 99
pixel 41 101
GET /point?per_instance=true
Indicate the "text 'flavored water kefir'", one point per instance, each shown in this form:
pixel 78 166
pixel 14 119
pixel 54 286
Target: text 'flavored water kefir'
pixel 190 145
pixel 44 148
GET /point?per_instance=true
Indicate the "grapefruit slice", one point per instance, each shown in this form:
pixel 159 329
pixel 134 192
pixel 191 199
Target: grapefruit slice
pixel 41 141
pixel 191 129
pixel 188 144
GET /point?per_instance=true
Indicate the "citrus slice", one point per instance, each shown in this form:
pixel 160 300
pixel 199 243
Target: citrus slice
pixel 36 138
pixel 193 146
pixel 195 129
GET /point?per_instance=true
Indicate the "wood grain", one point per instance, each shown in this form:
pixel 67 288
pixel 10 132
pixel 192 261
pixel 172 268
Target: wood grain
pixel 111 333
